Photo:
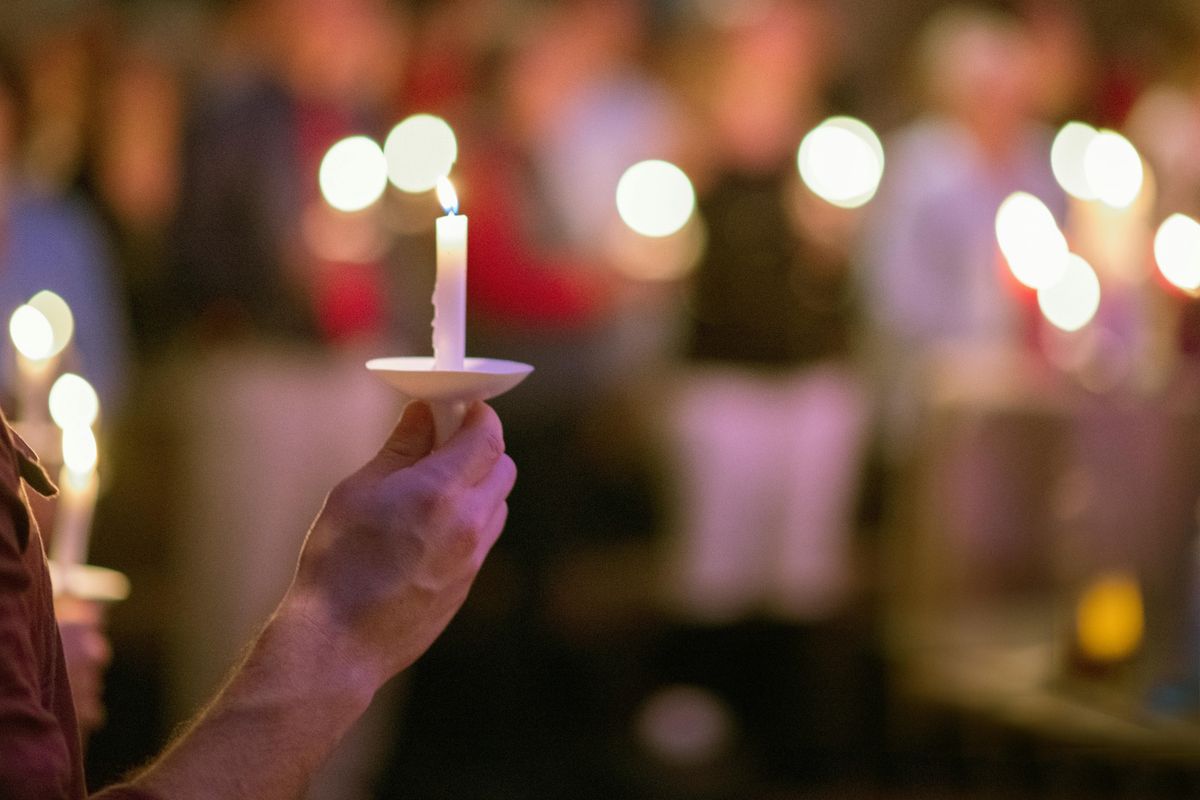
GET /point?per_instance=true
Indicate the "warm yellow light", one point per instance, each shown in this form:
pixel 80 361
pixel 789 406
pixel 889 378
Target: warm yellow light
pixel 841 161
pixel 353 174
pixel 73 402
pixel 655 198
pixel 1177 251
pixel 31 333
pixel 1029 238
pixel 1067 159
pixel 58 313
pixel 447 196
pixel 1073 300
pixel 420 150
pixel 1110 619
pixel 79 450
pixel 1113 169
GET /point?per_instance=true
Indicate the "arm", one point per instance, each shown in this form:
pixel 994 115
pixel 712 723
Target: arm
pixel 386 565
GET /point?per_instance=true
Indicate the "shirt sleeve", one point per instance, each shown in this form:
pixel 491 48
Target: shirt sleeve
pixel 124 793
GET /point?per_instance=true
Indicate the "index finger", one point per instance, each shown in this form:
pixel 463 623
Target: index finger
pixel 470 454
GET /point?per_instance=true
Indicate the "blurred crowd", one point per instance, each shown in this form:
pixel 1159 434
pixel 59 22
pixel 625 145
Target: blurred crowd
pixel 782 471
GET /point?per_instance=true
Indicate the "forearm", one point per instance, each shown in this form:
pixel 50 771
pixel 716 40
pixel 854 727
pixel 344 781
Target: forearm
pixel 273 724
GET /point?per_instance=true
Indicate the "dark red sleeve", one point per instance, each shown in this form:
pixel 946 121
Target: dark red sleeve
pixel 37 761
pixel 124 793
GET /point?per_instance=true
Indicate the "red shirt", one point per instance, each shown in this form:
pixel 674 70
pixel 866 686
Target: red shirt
pixel 39 740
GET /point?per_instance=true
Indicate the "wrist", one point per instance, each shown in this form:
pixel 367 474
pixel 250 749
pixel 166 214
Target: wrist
pixel 298 691
pixel 304 625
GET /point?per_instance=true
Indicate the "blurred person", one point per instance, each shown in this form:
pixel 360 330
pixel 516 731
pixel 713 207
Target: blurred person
pixel 1163 124
pixel 281 299
pixel 767 341
pixel 384 567
pixel 971 413
pixel 933 276
pixel 761 563
pixel 542 288
pixel 53 241
pixel 82 625
pixel 134 162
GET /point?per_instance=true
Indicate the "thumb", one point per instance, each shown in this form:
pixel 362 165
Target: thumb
pixel 409 442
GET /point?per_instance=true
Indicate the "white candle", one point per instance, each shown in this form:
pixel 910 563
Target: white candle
pixel 450 290
pixel 78 485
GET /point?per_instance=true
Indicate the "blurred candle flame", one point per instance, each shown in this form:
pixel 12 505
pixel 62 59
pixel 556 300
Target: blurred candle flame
pixel 31 333
pixel 58 313
pixel 79 451
pixel 1114 169
pixel 353 174
pixel 1067 156
pixel 841 161
pixel 73 402
pixel 1177 251
pixel 419 151
pixel 655 198
pixel 1072 301
pixel 1029 237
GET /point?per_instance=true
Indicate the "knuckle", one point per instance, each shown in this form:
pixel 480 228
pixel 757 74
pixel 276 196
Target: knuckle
pixel 434 498
pixel 464 537
pixel 494 442
pixel 508 468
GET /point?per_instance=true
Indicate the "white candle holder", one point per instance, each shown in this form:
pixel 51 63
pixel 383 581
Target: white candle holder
pixel 88 582
pixel 449 392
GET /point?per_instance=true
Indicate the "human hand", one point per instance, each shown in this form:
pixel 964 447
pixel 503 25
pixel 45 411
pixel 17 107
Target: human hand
pixel 87 652
pixel 393 553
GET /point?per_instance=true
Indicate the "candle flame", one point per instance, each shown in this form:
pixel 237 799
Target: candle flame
pixel 73 402
pixel 79 451
pixel 32 333
pixel 447 196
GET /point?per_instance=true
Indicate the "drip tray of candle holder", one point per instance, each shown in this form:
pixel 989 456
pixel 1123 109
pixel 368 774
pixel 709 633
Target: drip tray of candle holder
pixel 479 379
pixel 449 391
pixel 89 582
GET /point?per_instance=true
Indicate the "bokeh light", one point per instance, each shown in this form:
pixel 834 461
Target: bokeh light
pixel 1110 618
pixel 1113 169
pixel 1067 159
pixel 1029 238
pixel 31 333
pixel 1177 251
pixel 79 449
pixel 353 174
pixel 1073 300
pixel 841 161
pixel 73 402
pixel 419 150
pixel 685 725
pixel 58 313
pixel 655 198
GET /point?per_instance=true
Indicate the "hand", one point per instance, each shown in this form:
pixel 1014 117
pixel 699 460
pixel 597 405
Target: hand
pixel 87 653
pixel 393 553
